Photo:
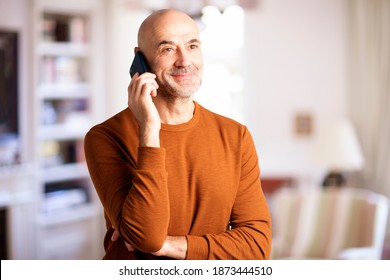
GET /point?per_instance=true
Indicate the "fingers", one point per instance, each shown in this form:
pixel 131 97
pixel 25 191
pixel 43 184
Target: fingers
pixel 141 90
pixel 115 236
pixel 154 93
pixel 129 247
pixel 142 86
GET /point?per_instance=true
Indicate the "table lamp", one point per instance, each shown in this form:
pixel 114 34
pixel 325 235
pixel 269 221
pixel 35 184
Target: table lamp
pixel 337 149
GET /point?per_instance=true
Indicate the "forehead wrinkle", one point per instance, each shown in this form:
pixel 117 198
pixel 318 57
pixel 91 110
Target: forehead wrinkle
pixel 170 42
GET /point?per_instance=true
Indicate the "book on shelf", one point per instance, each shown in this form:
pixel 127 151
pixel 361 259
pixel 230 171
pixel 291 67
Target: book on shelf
pixel 72 111
pixel 56 152
pixel 64 198
pixel 60 69
pixel 59 28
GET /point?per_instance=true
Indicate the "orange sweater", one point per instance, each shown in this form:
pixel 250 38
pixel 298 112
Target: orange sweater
pixel 203 183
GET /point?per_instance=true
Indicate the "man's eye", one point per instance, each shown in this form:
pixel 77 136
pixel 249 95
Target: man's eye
pixel 169 49
pixel 193 47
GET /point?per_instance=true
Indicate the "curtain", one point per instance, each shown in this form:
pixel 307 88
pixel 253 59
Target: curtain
pixel 369 94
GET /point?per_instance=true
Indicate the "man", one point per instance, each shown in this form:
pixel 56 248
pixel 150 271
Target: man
pixel 176 180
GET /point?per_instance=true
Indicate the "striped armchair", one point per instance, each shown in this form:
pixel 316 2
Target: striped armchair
pixel 332 223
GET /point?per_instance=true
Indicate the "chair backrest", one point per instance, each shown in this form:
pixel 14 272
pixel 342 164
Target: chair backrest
pixel 324 223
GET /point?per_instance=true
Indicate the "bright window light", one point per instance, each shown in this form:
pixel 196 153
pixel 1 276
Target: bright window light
pixel 222 35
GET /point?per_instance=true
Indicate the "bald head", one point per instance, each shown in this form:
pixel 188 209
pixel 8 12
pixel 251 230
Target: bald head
pixel 164 20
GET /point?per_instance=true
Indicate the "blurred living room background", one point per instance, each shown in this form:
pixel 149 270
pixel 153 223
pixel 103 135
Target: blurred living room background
pixel 310 78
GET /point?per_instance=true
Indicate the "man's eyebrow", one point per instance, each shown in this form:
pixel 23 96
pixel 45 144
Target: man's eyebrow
pixel 167 42
pixel 194 41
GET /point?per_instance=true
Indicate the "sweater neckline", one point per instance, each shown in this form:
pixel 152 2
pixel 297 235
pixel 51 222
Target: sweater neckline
pixel 184 126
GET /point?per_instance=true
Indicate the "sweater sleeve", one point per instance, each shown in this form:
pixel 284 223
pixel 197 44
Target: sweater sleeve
pixel 133 191
pixel 249 236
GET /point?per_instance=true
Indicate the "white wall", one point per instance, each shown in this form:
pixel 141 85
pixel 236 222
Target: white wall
pixel 296 62
pixel 123 22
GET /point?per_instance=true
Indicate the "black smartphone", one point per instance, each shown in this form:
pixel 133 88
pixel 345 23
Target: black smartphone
pixel 139 65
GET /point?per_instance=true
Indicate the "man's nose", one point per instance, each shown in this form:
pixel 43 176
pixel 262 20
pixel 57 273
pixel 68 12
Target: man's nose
pixel 183 58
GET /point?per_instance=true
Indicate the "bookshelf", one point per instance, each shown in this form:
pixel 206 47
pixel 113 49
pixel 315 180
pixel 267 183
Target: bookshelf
pixel 68 88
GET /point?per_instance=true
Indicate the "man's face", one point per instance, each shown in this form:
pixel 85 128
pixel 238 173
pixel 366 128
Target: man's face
pixel 174 53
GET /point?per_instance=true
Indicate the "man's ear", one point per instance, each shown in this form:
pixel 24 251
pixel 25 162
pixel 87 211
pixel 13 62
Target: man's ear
pixel 136 49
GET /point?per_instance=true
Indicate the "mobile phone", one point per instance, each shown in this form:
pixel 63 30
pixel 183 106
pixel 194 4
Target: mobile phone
pixel 139 64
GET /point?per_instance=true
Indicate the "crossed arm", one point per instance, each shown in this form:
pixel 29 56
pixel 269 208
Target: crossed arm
pixel 140 93
pixel 141 90
pixel 136 202
pixel 174 246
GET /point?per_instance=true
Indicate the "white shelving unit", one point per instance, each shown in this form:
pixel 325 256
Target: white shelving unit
pixel 68 63
pixel 18 199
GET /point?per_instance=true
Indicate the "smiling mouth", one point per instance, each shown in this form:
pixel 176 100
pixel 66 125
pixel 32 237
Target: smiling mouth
pixel 183 75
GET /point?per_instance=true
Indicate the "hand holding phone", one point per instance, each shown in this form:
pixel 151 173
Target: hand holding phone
pixel 140 94
pixel 139 65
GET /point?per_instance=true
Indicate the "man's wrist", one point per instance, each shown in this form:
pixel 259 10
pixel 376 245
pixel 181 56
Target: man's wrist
pixel 174 247
pixel 149 138
pixel 178 245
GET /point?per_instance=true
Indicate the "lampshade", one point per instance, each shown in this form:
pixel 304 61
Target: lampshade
pixel 337 147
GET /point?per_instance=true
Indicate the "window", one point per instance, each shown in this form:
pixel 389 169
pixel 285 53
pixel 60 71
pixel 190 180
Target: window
pixel 222 35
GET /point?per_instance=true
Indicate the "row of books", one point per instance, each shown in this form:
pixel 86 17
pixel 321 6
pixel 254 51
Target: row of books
pixel 59 28
pixel 56 153
pixel 61 69
pixel 64 111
